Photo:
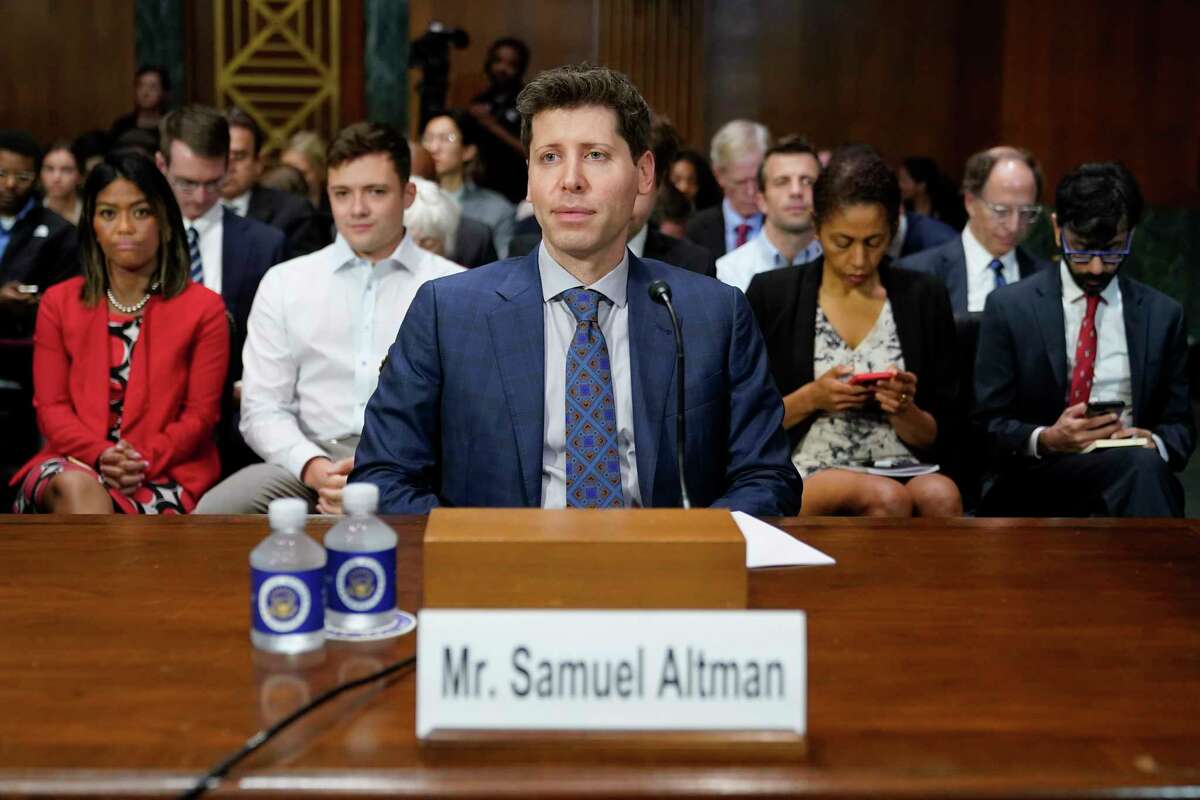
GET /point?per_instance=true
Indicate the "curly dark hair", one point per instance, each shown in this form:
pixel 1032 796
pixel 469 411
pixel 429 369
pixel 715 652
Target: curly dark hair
pixel 856 175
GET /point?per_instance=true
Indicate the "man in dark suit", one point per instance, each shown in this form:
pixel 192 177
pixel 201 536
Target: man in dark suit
pixel 473 243
pixel 1073 336
pixel 737 150
pixel 1001 187
pixel 288 212
pixel 37 246
pixel 919 232
pixel 548 380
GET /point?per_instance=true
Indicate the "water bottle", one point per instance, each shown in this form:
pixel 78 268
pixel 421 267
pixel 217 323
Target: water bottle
pixel 360 575
pixel 287 604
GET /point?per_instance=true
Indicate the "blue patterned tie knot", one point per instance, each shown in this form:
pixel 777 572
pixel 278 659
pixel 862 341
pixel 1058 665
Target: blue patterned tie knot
pixel 997 267
pixel 593 460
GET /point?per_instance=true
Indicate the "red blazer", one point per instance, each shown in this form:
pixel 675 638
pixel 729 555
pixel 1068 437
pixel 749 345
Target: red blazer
pixel 173 400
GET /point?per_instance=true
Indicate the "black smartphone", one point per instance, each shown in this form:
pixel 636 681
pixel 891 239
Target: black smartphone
pixel 1105 407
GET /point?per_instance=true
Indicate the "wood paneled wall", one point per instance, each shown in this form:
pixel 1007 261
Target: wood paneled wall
pixel 66 66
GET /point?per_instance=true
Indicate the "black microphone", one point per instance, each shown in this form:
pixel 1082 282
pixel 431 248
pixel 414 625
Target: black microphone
pixel 660 292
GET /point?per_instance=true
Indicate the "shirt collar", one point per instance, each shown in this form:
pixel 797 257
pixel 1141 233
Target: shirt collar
pixel 638 243
pixel 733 219
pixel 556 280
pixel 207 220
pixel 239 205
pixel 22 214
pixel 1073 294
pixel 772 255
pixel 978 257
pixel 407 255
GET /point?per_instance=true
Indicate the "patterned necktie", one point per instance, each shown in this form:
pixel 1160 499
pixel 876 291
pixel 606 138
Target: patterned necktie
pixel 998 269
pixel 194 254
pixel 1085 355
pixel 593 461
pixel 743 233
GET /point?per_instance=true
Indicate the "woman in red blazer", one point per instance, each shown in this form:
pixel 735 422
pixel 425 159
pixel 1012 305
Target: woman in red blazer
pixel 129 360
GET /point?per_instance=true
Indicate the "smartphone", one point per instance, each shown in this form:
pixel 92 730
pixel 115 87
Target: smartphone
pixel 870 378
pixel 1105 407
pixel 27 288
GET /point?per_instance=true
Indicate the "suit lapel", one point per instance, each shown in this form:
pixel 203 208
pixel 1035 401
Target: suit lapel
pixel 955 275
pixel 805 320
pixel 906 315
pixel 1049 314
pixel 652 367
pixel 230 276
pixel 518 334
pixel 1137 335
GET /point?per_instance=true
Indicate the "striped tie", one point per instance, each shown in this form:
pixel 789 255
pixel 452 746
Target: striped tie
pixel 194 254
pixel 997 267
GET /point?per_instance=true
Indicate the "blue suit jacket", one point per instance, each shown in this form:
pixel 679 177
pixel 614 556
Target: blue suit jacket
pixel 1021 378
pixel 924 233
pixel 949 262
pixel 248 249
pixel 458 417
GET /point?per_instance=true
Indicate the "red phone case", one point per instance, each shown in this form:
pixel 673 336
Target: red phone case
pixel 864 378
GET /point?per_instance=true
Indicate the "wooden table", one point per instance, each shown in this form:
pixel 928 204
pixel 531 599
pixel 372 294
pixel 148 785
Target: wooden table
pixel 966 659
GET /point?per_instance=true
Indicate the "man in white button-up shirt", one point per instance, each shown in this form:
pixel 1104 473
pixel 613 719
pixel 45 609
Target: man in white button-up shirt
pixel 1068 338
pixel 319 330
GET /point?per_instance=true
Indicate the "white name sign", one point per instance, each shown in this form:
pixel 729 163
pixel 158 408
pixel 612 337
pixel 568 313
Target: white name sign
pixel 610 670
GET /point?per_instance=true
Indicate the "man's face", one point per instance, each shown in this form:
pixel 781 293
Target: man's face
pixel 788 196
pixel 244 164
pixel 444 142
pixel 368 203
pixel 504 65
pixel 1094 275
pixel 196 180
pixel 739 181
pixel 583 181
pixel 16 183
pixel 148 91
pixel 996 215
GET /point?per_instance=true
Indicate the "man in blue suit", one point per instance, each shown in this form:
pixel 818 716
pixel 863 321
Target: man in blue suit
pixel 1071 337
pixel 1001 187
pixel 549 380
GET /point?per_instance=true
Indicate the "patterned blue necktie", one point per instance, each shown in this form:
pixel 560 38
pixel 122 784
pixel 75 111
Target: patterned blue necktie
pixel 997 267
pixel 194 254
pixel 593 461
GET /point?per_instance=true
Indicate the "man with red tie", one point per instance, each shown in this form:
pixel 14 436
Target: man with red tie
pixel 1077 359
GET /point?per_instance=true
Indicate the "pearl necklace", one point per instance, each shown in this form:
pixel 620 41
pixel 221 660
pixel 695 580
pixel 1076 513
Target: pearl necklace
pixel 136 307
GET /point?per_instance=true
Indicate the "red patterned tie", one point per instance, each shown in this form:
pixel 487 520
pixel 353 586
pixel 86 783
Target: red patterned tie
pixel 1085 355
pixel 743 233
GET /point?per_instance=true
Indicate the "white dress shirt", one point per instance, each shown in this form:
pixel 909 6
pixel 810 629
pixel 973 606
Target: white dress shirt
pixel 211 228
pixel 560 327
pixel 1111 375
pixel 738 267
pixel 981 280
pixel 319 329
pixel 239 205
pixel 637 244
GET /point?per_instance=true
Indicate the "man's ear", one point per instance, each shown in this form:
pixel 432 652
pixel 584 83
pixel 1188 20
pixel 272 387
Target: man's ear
pixel 645 170
pixel 761 200
pixel 470 153
pixel 161 161
pixel 410 194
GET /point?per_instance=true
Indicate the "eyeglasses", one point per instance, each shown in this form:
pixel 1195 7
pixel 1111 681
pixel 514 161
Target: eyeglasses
pixel 434 138
pixel 186 186
pixel 1027 215
pixel 21 178
pixel 1110 257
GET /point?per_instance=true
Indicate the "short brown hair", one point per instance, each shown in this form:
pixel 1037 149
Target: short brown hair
pixel 367 138
pixel 578 85
pixel 792 144
pixel 203 129
pixel 980 165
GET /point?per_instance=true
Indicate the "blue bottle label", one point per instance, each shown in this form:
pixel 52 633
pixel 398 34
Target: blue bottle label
pixel 287 602
pixel 360 583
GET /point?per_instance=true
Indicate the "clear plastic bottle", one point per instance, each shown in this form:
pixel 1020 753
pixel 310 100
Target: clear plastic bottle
pixel 360 575
pixel 287 603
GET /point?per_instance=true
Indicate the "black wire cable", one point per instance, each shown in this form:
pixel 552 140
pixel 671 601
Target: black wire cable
pixel 213 777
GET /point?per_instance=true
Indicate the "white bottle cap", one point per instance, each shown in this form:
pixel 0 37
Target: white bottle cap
pixel 360 498
pixel 287 514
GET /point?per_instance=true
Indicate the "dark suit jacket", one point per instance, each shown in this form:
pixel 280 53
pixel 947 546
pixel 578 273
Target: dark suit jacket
pixel 458 417
pixel 1021 379
pixel 924 233
pixel 707 229
pixel 473 243
pixel 248 249
pixel 659 246
pixel 43 251
pixel 949 262
pixel 785 304
pixel 293 215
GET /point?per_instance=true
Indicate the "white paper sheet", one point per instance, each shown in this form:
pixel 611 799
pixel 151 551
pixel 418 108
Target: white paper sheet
pixel 768 546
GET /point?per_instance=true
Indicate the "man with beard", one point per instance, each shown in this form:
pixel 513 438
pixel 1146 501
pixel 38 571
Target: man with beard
pixel 1056 345
pixel 785 196
pixel 37 246
pixel 495 109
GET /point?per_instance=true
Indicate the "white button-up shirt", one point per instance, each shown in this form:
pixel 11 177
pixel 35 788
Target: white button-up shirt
pixel 211 229
pixel 981 280
pixel 738 267
pixel 319 329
